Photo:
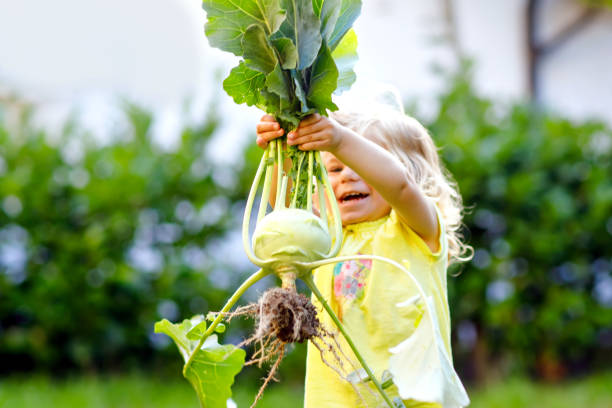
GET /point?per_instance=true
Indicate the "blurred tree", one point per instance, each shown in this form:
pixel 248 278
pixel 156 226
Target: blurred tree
pixel 99 242
pixel 538 293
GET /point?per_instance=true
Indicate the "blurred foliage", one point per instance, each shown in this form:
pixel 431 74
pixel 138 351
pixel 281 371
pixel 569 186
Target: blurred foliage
pixel 98 241
pixel 537 295
pixel 598 3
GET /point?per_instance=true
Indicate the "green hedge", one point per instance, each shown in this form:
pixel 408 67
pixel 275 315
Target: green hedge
pixel 99 242
pixel 538 190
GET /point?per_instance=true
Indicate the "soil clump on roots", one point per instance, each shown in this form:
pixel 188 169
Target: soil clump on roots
pixel 288 315
pixel 283 316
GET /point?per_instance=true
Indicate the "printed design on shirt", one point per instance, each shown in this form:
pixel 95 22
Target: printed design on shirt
pixel 349 279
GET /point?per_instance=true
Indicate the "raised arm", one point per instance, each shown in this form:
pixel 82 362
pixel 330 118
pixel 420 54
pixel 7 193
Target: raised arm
pixel 377 167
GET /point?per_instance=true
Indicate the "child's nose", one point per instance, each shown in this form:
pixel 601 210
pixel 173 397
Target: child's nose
pixel 349 174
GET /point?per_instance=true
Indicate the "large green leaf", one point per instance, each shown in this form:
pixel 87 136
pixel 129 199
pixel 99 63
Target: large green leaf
pixel 328 12
pixel 285 111
pixel 302 26
pixel 214 366
pixel 244 84
pixel 349 11
pixel 275 81
pixel 228 20
pixel 258 53
pixel 345 56
pixel 323 81
pixel 287 52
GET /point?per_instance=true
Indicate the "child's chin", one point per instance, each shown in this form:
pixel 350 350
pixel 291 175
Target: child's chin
pixel 352 218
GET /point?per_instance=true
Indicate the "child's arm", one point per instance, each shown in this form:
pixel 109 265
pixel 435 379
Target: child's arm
pixel 378 167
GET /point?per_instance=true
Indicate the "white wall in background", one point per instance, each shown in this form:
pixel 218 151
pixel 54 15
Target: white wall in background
pixel 70 53
pixel 576 80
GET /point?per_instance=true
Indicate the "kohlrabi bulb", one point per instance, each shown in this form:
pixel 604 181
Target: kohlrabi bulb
pixel 291 235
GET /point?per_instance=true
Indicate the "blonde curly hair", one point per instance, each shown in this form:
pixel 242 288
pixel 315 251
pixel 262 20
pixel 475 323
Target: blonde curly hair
pixel 410 142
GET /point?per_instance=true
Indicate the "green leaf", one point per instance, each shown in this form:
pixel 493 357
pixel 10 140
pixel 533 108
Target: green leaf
pixel 258 53
pixel 349 11
pixel 323 81
pixel 328 12
pixel 275 81
pixel 177 332
pixel 244 84
pixel 287 52
pixel 213 367
pixel 302 26
pixel 228 20
pixel 345 56
pixel 197 331
pixel 300 93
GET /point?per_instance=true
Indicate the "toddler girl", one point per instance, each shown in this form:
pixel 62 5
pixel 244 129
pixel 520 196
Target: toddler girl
pixel 395 201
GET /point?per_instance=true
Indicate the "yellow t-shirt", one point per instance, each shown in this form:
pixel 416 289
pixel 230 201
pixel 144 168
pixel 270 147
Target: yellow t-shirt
pixel 364 294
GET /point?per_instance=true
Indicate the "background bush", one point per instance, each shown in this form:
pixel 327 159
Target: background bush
pixel 537 295
pixel 98 242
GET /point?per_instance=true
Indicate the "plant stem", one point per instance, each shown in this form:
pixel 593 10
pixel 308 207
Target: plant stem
pixel 228 305
pixel 279 175
pixel 246 219
pixel 322 203
pixel 296 188
pixel 309 192
pixel 265 193
pixel 335 210
pixel 418 286
pixel 310 283
pixel 283 190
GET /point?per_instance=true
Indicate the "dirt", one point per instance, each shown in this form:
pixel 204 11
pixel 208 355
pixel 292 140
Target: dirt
pixel 284 316
pixel 287 315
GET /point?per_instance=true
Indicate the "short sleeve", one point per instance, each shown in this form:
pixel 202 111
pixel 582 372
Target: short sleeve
pixel 442 251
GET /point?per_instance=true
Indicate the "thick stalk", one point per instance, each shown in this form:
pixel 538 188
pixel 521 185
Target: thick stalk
pixel 280 163
pixel 322 203
pixel 297 181
pixel 246 219
pixel 228 305
pixel 265 194
pixel 335 210
pixel 283 190
pixel 309 192
pixel 310 283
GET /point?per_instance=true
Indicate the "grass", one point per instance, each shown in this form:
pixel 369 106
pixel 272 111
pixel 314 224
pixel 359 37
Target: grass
pixel 130 391
pixel 140 391
pixel 591 392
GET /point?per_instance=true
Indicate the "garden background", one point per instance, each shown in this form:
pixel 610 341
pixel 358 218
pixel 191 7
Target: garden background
pixel 102 236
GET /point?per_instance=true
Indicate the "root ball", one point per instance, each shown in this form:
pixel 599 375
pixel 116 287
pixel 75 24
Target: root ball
pixel 288 315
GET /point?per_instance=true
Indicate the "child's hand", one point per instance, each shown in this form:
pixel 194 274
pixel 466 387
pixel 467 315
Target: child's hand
pixel 267 129
pixel 316 132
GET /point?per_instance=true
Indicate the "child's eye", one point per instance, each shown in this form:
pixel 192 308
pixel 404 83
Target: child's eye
pixel 334 170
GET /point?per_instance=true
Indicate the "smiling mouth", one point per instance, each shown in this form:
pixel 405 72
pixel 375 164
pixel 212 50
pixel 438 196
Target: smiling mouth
pixel 352 197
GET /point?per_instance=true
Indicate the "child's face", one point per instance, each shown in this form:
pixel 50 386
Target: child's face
pixel 357 200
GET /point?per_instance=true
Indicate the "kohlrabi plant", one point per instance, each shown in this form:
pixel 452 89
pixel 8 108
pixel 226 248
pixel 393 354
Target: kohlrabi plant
pixel 295 54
